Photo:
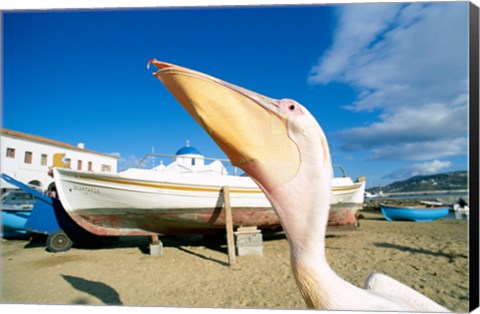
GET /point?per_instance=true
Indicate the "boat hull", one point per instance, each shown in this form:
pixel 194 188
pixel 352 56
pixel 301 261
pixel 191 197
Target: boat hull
pixel 13 222
pixel 417 213
pixel 106 204
pixel 138 221
pixel 346 200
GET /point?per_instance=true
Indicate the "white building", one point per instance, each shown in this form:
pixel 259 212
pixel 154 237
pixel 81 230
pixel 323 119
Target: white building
pixel 27 158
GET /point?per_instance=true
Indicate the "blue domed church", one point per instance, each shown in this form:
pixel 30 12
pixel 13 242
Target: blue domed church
pixel 189 155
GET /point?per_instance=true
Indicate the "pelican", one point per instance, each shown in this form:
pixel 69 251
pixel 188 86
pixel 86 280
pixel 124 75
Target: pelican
pixel 282 147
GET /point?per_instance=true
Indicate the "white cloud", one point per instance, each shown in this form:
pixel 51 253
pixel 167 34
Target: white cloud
pixel 436 130
pixel 131 161
pixel 409 63
pixel 420 151
pixel 425 168
pixel 116 154
pixel 355 32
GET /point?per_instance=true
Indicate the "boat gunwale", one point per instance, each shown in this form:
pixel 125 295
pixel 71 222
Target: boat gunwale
pixel 116 178
pixel 8 210
pixel 414 207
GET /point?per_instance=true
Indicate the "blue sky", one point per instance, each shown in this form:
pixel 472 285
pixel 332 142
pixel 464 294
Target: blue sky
pixel 388 83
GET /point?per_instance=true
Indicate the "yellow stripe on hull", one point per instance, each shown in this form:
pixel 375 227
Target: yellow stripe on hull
pixel 170 187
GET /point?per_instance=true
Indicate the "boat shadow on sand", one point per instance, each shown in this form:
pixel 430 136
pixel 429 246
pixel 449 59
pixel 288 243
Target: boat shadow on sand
pixel 214 242
pixel 185 243
pixel 218 242
pixel 189 243
pixel 39 240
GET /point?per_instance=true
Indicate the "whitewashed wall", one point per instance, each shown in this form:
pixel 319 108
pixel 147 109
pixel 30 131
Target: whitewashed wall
pixel 26 173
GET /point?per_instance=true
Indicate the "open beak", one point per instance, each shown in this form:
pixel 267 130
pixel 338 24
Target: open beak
pixel 250 128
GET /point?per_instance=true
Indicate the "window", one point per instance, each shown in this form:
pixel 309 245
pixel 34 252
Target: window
pixel 79 165
pixel 43 160
pixel 22 196
pixel 28 157
pixel 106 168
pixel 90 166
pixel 10 152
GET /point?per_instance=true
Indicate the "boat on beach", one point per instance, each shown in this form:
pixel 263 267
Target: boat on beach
pixel 347 199
pixel 419 213
pixel 185 196
pixel 16 208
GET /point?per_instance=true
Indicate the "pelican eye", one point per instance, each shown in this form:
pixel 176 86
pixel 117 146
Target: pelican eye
pixel 290 107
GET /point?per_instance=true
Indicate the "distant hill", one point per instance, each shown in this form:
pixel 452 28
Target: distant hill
pixel 455 180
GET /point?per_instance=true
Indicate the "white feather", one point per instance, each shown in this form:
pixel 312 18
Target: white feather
pixel 391 288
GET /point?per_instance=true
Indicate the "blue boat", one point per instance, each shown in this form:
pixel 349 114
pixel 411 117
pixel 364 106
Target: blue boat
pixel 16 208
pixel 414 213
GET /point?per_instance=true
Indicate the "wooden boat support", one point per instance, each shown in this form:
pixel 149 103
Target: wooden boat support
pixel 156 246
pixel 229 227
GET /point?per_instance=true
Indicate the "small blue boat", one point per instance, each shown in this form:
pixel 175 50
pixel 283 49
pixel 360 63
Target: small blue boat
pixel 16 208
pixel 414 213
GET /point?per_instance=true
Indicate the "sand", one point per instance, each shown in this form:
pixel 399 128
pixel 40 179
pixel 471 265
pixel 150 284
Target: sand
pixel 430 257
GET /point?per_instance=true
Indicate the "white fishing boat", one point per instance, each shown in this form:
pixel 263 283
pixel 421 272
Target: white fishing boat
pixel 185 196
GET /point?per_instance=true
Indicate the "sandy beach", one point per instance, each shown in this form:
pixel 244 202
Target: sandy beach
pixel 430 257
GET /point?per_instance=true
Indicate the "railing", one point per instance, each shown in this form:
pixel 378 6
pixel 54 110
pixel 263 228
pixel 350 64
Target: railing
pixel 140 163
pixel 344 174
pixel 235 171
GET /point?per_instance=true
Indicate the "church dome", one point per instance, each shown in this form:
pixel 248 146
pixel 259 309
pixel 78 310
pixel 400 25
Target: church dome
pixel 187 150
